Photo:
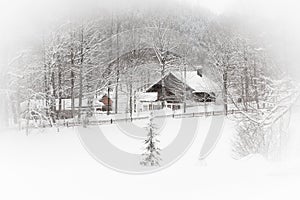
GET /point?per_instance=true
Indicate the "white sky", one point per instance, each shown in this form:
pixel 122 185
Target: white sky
pixel 266 8
pixel 217 6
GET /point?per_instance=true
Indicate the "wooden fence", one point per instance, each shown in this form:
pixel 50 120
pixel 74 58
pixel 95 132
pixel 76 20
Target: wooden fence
pixel 176 116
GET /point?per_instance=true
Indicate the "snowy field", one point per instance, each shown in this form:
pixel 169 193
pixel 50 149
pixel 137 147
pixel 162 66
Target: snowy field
pixel 50 165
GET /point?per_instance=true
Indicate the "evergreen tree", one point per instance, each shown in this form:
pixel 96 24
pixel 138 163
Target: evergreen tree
pixel 151 155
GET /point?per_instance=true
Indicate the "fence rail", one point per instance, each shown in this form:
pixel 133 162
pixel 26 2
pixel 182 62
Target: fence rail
pixel 128 119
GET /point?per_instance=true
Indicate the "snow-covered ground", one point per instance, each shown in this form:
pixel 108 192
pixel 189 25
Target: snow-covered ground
pixel 51 165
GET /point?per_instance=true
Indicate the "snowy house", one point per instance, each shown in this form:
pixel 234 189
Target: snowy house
pixel 146 101
pixel 36 106
pixel 198 87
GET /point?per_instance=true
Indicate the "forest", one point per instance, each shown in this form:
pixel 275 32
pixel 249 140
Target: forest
pixel 106 52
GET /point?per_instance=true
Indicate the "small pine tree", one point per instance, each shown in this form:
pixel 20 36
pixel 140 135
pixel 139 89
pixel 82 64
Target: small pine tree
pixel 151 155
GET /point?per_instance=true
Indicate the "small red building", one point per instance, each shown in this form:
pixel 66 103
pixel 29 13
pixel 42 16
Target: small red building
pixel 107 103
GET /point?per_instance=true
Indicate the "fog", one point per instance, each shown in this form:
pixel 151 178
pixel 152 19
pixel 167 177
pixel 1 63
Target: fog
pixel 24 21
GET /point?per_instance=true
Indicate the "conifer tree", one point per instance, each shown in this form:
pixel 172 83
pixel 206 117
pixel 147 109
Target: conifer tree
pixel 151 155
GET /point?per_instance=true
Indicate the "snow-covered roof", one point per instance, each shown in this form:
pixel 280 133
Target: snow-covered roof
pixel 147 96
pixel 196 82
pixel 97 103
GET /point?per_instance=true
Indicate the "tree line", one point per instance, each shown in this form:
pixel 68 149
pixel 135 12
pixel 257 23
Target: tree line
pixel 124 51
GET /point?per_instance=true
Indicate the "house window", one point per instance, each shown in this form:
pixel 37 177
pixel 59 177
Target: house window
pixel 150 107
pixel 176 107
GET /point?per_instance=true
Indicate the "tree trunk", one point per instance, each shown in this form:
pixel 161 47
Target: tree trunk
pixel 53 99
pixel 80 78
pixel 72 84
pixel 185 91
pixel 108 100
pixel 163 89
pixel 225 91
pixel 130 100
pixel 118 72
pixel 255 87
pixel 111 58
pixel 46 89
pixel 246 88
pixel 116 92
pixel 59 91
pixel 28 116
pixel 80 93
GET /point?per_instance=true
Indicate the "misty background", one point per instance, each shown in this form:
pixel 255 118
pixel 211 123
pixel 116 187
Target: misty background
pixel 24 22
